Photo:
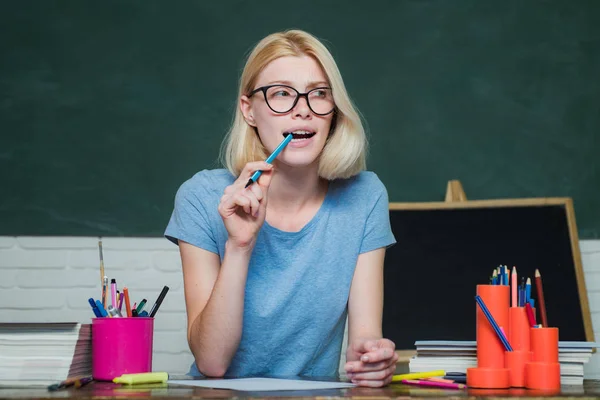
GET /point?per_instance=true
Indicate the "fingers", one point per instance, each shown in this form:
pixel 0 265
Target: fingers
pixel 373 383
pixel 377 355
pixel 367 368
pixel 359 366
pixel 250 198
pixel 380 375
pixel 372 351
pixel 251 167
pixel 376 365
pixel 245 199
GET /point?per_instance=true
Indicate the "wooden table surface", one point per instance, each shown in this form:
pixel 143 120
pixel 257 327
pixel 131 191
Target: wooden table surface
pixel 102 390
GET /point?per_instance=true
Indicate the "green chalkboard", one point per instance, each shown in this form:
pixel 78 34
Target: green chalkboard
pixel 107 107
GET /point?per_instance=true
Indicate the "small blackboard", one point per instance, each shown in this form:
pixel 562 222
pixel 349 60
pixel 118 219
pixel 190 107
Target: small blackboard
pixel 445 249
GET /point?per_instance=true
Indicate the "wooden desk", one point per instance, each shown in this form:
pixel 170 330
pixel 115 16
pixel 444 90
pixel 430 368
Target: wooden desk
pixel 103 390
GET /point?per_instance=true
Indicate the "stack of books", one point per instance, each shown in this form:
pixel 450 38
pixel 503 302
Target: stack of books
pixel 457 356
pixel 40 354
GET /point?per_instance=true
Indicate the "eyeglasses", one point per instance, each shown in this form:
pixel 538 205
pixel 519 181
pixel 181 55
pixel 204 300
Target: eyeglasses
pixel 282 98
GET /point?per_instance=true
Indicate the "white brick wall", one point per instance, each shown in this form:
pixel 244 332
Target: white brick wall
pixel 590 258
pixel 49 279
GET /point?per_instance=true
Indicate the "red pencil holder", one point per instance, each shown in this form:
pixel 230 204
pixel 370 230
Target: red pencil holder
pixel 515 361
pixel 543 372
pixel 491 372
pixel 519 329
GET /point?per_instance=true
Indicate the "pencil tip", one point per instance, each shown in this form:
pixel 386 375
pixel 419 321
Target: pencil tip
pixel 528 281
pixel 249 183
pixel 537 272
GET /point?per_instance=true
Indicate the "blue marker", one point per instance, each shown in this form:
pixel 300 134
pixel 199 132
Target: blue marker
pixel 270 159
pixel 97 312
pixel 101 309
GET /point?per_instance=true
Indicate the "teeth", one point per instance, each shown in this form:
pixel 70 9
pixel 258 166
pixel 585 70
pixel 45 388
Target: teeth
pixel 301 135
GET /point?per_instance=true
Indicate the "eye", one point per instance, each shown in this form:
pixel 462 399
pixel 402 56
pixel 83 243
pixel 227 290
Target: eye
pixel 280 91
pixel 320 93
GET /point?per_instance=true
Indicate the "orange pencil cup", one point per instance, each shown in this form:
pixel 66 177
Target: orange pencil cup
pixel 543 372
pixel 490 372
pixel 519 329
pixel 515 361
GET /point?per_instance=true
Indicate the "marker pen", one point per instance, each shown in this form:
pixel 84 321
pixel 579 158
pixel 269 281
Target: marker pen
pixel 97 312
pixel 104 291
pixel 270 159
pixel 141 306
pixel 113 312
pixel 113 292
pixel 101 308
pixel 127 303
pixel 159 301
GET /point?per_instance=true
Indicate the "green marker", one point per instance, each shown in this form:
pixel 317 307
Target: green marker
pixel 140 307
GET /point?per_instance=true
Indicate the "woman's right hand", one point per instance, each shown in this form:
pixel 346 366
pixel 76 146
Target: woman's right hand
pixel 243 210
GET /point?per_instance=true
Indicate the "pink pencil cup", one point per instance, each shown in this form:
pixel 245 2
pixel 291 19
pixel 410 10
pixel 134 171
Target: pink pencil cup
pixel 121 346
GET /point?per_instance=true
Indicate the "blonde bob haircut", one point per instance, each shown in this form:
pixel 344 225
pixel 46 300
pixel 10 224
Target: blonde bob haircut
pixel 344 153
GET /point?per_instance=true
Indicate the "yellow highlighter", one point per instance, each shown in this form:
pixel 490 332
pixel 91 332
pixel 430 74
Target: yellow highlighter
pixel 418 375
pixel 147 377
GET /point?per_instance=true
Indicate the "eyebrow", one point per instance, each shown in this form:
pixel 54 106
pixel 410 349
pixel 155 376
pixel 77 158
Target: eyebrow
pixel 310 84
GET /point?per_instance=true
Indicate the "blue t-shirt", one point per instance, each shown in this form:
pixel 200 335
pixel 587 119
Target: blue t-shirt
pixel 298 282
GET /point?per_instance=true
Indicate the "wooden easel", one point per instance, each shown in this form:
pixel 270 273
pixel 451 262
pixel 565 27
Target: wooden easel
pixel 455 192
pixel 457 199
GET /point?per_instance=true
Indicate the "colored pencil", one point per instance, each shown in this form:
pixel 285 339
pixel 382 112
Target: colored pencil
pixel 541 301
pixel 514 287
pixel 530 315
pixel 492 321
pixel 418 375
pixel 101 262
pixel 441 385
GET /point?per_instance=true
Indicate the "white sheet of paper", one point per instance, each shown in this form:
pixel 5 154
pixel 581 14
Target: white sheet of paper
pixel 262 384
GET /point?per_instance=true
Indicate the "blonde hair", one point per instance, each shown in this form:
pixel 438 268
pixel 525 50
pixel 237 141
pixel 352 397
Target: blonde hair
pixel 344 153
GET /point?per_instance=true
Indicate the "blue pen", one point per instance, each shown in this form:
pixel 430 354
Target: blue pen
pixel 100 307
pixel 270 159
pixel 94 308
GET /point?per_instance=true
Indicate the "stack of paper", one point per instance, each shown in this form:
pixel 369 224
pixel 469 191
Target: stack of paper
pixel 35 354
pixel 457 356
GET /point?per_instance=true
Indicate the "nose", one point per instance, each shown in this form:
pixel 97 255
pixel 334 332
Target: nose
pixel 301 109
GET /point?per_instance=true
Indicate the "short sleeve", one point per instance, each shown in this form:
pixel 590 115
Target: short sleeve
pixel 378 231
pixel 190 220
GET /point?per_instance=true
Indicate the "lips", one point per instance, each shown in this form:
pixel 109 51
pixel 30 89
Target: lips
pixel 300 134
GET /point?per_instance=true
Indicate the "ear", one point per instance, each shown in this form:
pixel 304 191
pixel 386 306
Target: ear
pixel 246 108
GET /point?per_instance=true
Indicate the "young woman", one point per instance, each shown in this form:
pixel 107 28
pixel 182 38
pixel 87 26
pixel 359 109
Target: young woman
pixel 272 270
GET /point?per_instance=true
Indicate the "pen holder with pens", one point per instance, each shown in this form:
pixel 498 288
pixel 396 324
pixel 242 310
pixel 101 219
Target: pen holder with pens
pixel 543 371
pixel 519 338
pixel 490 372
pixel 121 346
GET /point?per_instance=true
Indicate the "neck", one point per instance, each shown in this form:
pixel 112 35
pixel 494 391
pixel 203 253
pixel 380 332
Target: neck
pixel 293 188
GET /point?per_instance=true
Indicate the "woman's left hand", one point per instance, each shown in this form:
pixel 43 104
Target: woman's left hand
pixel 371 362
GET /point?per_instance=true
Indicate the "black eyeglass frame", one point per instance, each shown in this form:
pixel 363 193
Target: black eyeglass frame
pixel 264 89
